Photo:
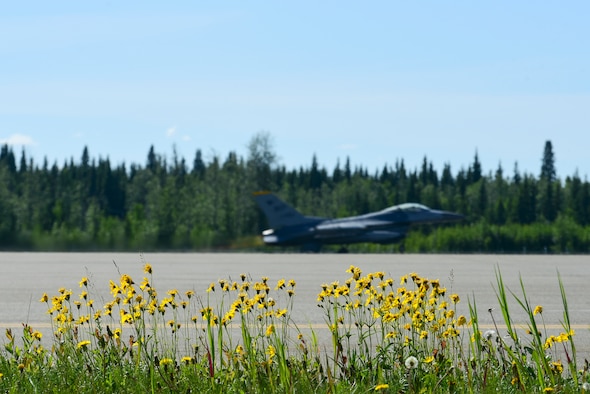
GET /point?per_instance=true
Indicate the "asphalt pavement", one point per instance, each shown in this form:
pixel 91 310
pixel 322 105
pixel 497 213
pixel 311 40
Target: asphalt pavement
pixel 26 276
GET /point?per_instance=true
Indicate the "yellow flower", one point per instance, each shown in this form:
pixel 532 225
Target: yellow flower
pixel 126 281
pixel 454 298
pixel 280 284
pixel 382 386
pixel 173 292
pixel 126 318
pixel 83 344
pixel 557 367
pixel 563 337
pixel 211 287
pixel 538 309
pixel 461 320
pixel 166 361
pixel 84 282
pixel 429 359
pixel 147 268
pixel 271 351
pixel 187 360
pixel 44 298
pixel 37 335
pixel 549 341
pixel 270 329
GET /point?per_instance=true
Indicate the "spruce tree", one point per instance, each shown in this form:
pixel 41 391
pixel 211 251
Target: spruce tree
pixel 548 172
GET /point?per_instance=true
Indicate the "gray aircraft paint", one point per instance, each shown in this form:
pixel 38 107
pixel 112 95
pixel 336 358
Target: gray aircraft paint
pixel 288 227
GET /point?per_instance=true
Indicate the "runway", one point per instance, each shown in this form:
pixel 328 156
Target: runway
pixel 26 276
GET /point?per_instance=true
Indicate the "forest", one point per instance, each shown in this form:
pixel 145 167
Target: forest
pixel 171 204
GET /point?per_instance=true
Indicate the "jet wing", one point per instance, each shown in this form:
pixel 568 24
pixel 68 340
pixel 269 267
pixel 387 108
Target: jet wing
pixel 339 229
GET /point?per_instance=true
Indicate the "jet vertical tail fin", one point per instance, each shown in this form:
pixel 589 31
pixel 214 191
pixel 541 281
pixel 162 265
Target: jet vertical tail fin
pixel 279 213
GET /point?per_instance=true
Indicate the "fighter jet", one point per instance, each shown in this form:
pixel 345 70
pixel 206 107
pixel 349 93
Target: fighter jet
pixel 288 227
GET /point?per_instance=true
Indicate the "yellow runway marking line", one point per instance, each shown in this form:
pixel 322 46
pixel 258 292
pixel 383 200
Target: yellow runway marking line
pixel 317 326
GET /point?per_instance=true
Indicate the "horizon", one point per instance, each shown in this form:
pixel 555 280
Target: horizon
pixel 508 173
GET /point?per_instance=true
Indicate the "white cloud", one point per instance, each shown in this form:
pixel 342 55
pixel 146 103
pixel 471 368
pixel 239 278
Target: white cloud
pixel 18 139
pixel 170 132
pixel 186 138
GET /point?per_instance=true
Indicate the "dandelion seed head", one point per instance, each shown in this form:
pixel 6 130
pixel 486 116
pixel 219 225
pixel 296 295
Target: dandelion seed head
pixel 489 334
pixel 411 362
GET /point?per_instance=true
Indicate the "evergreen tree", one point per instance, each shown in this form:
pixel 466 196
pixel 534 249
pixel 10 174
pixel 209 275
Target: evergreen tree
pixel 548 172
pixel 475 172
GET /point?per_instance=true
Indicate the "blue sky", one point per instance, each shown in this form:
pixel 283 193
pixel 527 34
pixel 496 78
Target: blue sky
pixel 374 81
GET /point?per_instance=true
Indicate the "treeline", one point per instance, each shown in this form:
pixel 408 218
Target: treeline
pixel 172 204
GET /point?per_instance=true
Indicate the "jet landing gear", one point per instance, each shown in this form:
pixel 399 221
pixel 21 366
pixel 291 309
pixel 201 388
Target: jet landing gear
pixel 311 247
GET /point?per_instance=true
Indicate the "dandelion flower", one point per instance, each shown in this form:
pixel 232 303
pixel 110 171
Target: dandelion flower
pixel 269 330
pixel 489 334
pixel 382 386
pixel 44 298
pixel 82 344
pixel 187 360
pixel 538 309
pixel 165 361
pixel 411 362
pixel 585 386
pixel 271 351
pixel 455 298
pixel 147 268
pixel 461 320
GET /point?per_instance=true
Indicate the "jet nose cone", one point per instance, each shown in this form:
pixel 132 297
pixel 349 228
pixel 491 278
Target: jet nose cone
pixel 451 216
pixel 446 216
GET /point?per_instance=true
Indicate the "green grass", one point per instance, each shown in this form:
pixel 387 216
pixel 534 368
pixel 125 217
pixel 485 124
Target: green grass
pixel 238 336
